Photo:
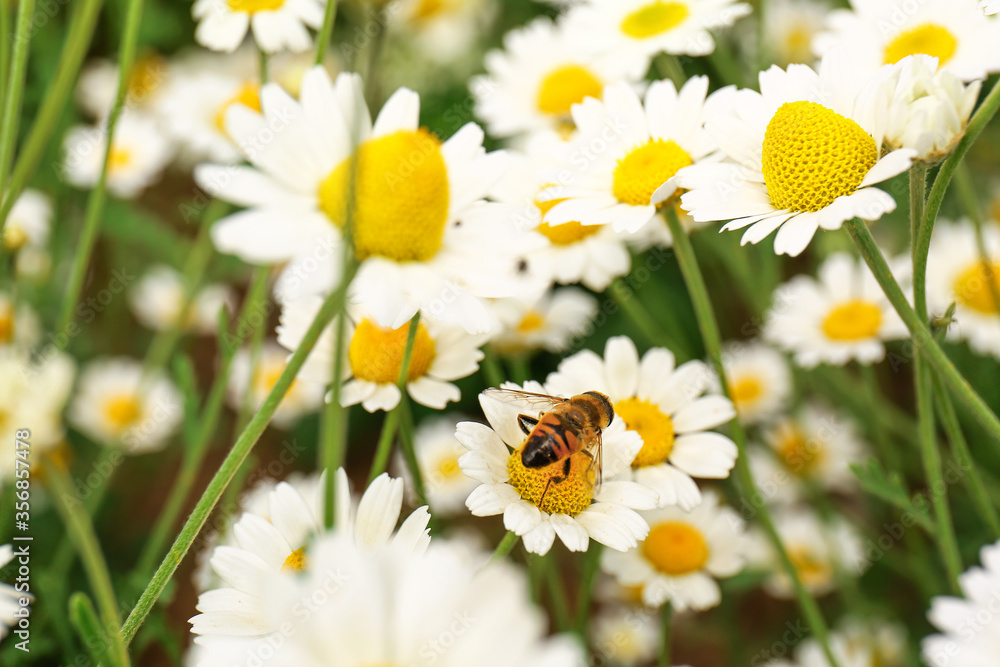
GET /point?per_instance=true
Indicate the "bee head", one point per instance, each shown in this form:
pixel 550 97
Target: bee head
pixel 607 410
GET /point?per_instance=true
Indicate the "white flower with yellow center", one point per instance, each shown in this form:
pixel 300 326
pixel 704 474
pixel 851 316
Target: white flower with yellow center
pixel 533 83
pixel 969 625
pixel 28 222
pixel 19 325
pixel 759 379
pixel 666 407
pixel 157 301
pixel 277 25
pixel 374 355
pixel 301 398
pixel 549 323
pixel 441 31
pixel 791 26
pixel 138 155
pixel 634 31
pixel 683 555
pixel 957 274
pixel 624 635
pixel 145 85
pixel 263 545
pixel 117 405
pixel 802 155
pixel 643 144
pixel 860 643
pixel 437 452
pixel 840 316
pixel 575 509
pixel 415 203
pixel 880 32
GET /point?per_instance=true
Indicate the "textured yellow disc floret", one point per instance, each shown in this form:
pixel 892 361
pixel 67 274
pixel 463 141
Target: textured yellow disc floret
pixel 798 453
pixel 972 287
pixel 565 86
pixel 296 561
pixel 644 169
pixel 813 155
pixel 675 548
pixel 931 39
pixel 376 353
pixel 571 496
pixel 401 196
pixel 248 95
pixel 567 233
pixel 254 6
pixel 122 411
pixel 655 428
pixel 746 390
pixel 852 321
pixel 654 19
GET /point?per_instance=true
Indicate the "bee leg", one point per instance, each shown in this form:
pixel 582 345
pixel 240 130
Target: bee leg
pixel 526 423
pixel 589 456
pixel 556 480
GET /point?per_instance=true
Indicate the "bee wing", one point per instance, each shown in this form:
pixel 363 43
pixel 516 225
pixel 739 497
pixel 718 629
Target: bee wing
pixel 599 459
pixel 525 401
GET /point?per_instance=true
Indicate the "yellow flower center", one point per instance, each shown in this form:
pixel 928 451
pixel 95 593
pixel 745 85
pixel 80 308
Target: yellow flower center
pixel 428 9
pixel 266 377
pixel 565 86
pixel 934 40
pixel 799 454
pixel 122 411
pixel 248 95
pixel 296 561
pixel 655 428
pixel 798 44
pixel 812 155
pixel 6 325
pixel 567 233
pixel 675 548
pixel 533 321
pixel 14 236
pixel 376 353
pixel 447 468
pixel 745 391
pixel 852 321
pixel 254 6
pixel 570 496
pixel 120 158
pixel 146 76
pixel 401 196
pixel 813 571
pixel 642 171
pixel 654 19
pixel 972 287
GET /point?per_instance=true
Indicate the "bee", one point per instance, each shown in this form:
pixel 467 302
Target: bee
pixel 562 427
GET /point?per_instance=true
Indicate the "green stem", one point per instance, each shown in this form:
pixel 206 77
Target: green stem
pixel 666 629
pixel 95 203
pixel 326 31
pixel 262 66
pixel 83 617
pixel 967 193
pixel 520 368
pixel 254 302
pixel 15 86
pixel 713 345
pixel 391 424
pixel 490 367
pixel 629 302
pixel 669 67
pixel 406 429
pixel 244 444
pixel 557 592
pixel 506 544
pixel 588 579
pixel 4 49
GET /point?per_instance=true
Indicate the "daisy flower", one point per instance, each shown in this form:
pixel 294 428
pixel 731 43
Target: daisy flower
pixel 574 509
pixel 280 541
pixel 957 274
pixel 10 597
pixel 859 643
pixel 118 405
pixel 802 154
pixel 437 451
pixel 441 31
pixel 969 627
pixel 157 301
pixel 28 222
pixel 683 555
pixel 549 323
pixel 665 406
pixel 634 31
pixel 791 26
pixel 138 155
pixel 878 32
pixel 542 71
pixel 374 356
pixel 416 230
pixel 277 25
pixel 839 316
pixel 19 325
pixel 359 607
pixel 624 636
pixel 646 142
pixel 759 380
pixel 145 85
pixel 302 397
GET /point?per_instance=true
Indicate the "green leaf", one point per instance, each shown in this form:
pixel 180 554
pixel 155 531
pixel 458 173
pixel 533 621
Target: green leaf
pixel 891 488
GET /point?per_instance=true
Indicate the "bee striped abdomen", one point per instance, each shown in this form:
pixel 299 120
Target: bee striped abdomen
pixel 549 441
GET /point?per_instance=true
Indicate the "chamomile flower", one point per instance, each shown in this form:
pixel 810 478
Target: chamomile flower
pixel 802 156
pixel 839 316
pixel 277 25
pixel 441 31
pixel 19 325
pixel 683 555
pixel 790 26
pixel 138 155
pixel 859 643
pixel 416 230
pixel 265 545
pixel 10 597
pixel 759 380
pixel 117 405
pixel 634 31
pixel 548 323
pixel 543 70
pixel 666 407
pixel 645 143
pixel 969 627
pixel 575 510
pixel 878 32
pixel 248 381
pixel 157 301
pixel 957 274
pixel 145 85
pixel 625 635
pixel 28 222
pixel 437 451
pixel 442 353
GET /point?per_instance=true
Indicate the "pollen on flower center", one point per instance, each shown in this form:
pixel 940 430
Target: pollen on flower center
pixel 567 233
pixel 746 390
pixel 401 196
pixel 654 19
pixel 448 468
pixel 654 427
pixel 852 321
pixel 644 169
pixel 565 86
pixel 797 453
pixel 972 287
pixel 248 95
pixel 376 353
pixel 254 6
pixel 933 40
pixel 812 155
pixel 296 561
pixel 675 548
pixel 122 411
pixel 532 321
pixel 570 496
